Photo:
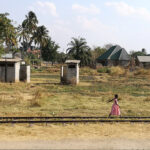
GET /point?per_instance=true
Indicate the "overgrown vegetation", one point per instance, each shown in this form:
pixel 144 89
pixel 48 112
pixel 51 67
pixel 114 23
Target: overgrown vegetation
pixel 45 96
pixel 114 71
pixel 104 70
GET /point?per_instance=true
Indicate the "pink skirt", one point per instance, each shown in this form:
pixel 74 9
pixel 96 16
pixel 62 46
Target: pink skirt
pixel 115 110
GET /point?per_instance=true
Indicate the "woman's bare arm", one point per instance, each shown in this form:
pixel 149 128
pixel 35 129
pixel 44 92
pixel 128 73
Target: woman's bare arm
pixel 110 100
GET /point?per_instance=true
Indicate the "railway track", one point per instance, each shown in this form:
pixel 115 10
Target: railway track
pixel 71 117
pixel 66 120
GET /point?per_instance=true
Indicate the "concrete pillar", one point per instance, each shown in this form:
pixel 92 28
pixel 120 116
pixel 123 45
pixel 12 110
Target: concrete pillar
pixel 28 72
pixel 15 72
pixel 62 71
pixel 77 71
pixel 25 73
pixel 61 74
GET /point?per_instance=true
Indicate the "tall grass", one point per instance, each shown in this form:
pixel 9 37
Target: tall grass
pixel 35 101
pixel 88 71
pixel 113 71
pixel 104 70
pixel 117 71
pixel 142 71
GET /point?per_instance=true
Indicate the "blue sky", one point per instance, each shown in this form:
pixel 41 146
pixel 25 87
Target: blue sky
pixel 123 22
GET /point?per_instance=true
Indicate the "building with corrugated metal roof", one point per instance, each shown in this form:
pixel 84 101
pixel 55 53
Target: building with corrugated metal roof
pixel 143 61
pixel 114 56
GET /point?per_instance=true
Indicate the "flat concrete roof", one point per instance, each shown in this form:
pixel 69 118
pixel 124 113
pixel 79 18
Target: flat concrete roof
pixel 72 61
pixel 10 60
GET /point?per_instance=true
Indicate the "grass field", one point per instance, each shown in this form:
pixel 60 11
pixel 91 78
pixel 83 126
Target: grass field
pixel 45 96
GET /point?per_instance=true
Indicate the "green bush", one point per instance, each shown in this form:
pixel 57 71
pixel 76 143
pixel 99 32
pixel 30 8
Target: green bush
pixel 36 61
pixel 104 70
pixel 41 69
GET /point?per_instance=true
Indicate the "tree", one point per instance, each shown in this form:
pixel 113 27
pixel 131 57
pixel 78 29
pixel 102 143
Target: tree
pixel 40 36
pixel 27 30
pixel 137 53
pixel 49 51
pixel 107 46
pixel 96 52
pixel 144 51
pixel 78 49
pixel 8 33
pixel 61 57
pixel 31 33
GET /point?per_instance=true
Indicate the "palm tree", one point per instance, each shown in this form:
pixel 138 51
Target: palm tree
pixel 30 23
pixel 41 36
pixel 78 49
pixel 28 29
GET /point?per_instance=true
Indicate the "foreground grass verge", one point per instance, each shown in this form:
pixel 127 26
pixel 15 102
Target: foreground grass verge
pixel 79 131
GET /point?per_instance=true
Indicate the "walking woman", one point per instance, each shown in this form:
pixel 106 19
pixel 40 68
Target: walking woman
pixel 115 110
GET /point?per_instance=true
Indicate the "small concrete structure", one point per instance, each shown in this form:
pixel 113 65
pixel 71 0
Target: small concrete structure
pixel 70 72
pixel 11 70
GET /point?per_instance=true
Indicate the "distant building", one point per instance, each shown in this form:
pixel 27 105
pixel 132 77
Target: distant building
pixel 11 55
pixel 8 56
pixel 114 56
pixel 143 61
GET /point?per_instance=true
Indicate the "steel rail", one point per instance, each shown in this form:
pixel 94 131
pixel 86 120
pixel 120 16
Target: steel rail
pixel 69 117
pixel 71 121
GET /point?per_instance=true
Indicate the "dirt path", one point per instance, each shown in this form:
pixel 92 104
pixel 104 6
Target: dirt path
pixel 90 136
pixel 121 144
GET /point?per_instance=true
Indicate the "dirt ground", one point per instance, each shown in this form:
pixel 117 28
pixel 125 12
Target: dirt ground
pixel 79 136
pixel 69 144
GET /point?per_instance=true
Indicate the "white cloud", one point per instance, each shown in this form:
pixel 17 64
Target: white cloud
pixel 45 8
pixel 90 24
pixel 95 31
pixel 61 31
pixel 92 9
pixel 126 10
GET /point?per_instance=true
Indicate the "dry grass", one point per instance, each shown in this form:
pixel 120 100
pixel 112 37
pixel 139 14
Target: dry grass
pixel 142 71
pixel 79 131
pixel 46 97
pixel 117 71
pixel 147 99
pixel 72 81
pixel 35 101
pixel 88 71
